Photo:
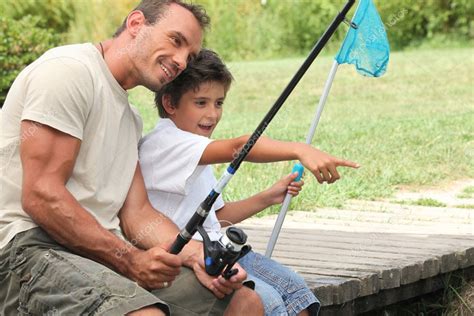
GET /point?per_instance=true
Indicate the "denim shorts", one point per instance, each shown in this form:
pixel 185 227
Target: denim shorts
pixel 40 277
pixel 282 290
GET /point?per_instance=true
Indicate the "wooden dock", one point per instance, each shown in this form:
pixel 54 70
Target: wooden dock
pixel 372 255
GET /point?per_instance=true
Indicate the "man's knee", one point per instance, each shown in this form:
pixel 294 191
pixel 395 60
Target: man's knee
pixel 245 302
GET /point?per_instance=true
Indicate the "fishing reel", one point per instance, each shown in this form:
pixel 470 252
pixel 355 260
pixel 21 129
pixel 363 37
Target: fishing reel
pixel 221 255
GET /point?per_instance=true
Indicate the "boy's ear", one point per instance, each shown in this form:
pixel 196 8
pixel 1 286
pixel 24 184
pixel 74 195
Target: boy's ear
pixel 167 105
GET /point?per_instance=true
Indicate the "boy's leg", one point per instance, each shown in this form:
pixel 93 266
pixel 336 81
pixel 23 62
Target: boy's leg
pixel 291 287
pixel 272 301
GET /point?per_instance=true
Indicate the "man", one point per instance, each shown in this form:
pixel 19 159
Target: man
pixel 70 180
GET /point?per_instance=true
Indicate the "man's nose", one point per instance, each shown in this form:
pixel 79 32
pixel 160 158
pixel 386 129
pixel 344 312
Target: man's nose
pixel 181 60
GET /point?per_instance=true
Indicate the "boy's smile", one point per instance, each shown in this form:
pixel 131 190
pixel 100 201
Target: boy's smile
pixel 199 111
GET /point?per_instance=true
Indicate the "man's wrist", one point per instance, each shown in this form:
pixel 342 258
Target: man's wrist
pixel 126 260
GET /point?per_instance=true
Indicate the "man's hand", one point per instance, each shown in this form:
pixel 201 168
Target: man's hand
pixel 218 285
pixel 321 164
pixel 154 268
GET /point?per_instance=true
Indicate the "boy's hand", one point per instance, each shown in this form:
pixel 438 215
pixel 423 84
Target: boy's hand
pixel 323 165
pixel 277 192
pixel 219 286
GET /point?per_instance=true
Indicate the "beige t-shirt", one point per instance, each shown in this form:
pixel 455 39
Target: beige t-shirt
pixel 71 89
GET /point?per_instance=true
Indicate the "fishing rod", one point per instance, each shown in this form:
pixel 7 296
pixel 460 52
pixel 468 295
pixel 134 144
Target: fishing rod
pixel 233 242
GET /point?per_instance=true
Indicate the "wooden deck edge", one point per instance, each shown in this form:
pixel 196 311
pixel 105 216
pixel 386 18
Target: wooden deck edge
pixel 391 296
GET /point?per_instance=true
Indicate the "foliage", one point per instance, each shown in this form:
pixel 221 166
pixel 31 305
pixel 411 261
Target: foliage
pixel 251 29
pixel 97 20
pixel 53 14
pixel 19 47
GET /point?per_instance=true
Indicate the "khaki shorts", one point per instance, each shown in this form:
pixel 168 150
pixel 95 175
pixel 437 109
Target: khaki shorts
pixel 40 277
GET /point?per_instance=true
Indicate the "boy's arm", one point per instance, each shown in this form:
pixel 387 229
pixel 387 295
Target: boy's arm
pixel 322 165
pixel 235 212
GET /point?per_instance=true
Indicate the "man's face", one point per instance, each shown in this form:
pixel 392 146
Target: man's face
pixel 198 112
pixel 163 50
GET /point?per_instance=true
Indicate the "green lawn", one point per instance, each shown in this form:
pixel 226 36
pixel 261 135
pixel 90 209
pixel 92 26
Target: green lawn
pixel 413 126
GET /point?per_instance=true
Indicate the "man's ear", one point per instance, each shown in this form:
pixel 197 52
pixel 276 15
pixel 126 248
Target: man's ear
pixel 135 22
pixel 167 105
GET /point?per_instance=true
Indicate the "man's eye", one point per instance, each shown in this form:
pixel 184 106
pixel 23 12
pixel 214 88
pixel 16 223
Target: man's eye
pixel 176 41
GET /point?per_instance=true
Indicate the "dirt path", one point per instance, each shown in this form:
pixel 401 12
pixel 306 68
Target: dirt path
pixel 444 210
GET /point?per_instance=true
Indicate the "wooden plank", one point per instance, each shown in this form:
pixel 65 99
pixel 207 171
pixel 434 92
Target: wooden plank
pixel 388 276
pixel 448 260
pixel 376 237
pixel 405 292
pixel 330 290
pixel 367 282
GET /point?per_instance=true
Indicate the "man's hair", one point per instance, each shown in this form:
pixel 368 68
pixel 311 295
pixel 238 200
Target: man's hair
pixel 206 67
pixel 153 10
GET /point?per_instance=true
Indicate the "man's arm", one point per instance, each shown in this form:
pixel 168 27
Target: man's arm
pixel 322 165
pixel 48 157
pixel 147 228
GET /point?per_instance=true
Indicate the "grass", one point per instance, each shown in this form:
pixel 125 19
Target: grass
pixel 414 126
pixel 467 193
pixel 429 202
pixel 422 202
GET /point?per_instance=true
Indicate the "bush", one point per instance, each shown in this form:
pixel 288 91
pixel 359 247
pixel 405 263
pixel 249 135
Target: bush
pixel 248 29
pixel 22 42
pixel 54 14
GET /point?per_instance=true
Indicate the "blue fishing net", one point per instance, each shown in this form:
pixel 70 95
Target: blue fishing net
pixel 367 45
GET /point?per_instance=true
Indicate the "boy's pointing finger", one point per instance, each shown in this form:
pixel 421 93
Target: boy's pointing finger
pixel 347 163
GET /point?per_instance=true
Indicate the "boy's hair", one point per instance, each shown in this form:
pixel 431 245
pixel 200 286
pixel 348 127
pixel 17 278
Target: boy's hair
pixel 153 10
pixel 206 67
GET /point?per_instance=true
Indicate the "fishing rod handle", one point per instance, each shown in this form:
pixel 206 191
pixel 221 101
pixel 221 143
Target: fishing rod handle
pixel 178 244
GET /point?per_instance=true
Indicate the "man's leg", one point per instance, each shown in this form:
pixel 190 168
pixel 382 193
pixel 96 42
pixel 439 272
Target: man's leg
pixel 40 277
pixel 147 311
pixel 187 296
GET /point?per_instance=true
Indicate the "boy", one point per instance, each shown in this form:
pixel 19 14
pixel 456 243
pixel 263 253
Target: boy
pixel 176 156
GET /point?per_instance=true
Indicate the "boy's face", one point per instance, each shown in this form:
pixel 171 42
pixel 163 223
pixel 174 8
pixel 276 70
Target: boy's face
pixel 199 111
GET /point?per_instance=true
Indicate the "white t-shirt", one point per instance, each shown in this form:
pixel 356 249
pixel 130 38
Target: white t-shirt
pixel 176 184
pixel 71 89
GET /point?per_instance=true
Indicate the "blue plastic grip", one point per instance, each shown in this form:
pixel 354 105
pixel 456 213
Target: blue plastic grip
pixel 298 168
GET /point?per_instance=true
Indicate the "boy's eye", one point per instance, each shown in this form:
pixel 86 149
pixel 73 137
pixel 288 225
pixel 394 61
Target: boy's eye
pixel 219 104
pixel 200 102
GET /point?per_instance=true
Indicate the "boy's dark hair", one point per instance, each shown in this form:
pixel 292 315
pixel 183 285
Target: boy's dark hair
pixel 206 67
pixel 153 10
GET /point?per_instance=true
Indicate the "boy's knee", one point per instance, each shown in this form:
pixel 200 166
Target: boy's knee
pixel 245 302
